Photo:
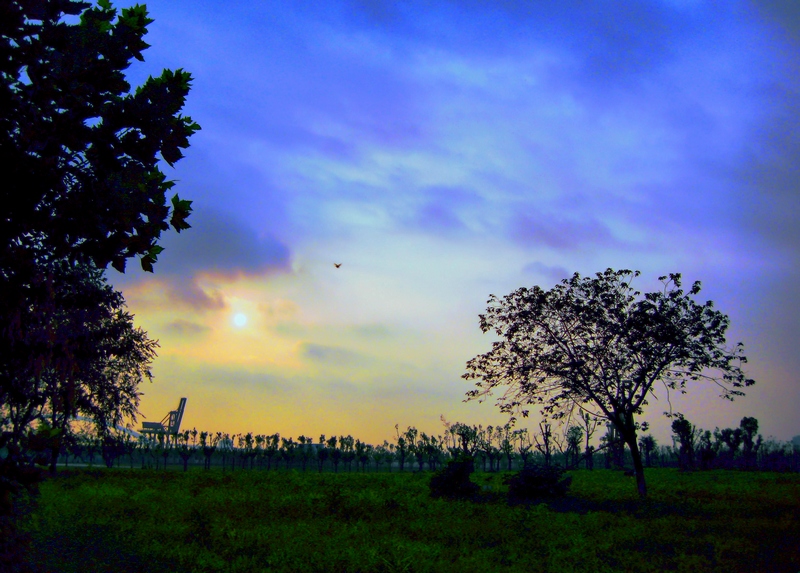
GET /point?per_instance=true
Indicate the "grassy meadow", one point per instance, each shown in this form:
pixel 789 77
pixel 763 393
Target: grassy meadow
pixel 251 521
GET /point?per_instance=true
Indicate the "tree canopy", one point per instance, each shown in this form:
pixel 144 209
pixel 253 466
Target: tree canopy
pixel 599 346
pixel 80 154
pixel 82 189
pixel 89 359
pixel 78 151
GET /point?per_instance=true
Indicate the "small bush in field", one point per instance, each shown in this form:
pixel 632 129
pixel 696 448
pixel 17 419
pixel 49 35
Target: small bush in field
pixel 537 482
pixel 453 481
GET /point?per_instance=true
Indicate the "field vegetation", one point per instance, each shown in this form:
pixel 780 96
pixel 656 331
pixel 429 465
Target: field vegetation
pixel 125 520
pixel 588 350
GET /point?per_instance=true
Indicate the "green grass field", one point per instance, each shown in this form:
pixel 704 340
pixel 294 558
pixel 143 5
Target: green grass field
pixel 250 521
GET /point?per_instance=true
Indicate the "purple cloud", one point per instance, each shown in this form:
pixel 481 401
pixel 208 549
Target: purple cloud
pixel 221 244
pixel 184 327
pixel 327 354
pixel 560 232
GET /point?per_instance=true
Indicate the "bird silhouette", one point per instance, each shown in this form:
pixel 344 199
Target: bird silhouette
pixel 337 265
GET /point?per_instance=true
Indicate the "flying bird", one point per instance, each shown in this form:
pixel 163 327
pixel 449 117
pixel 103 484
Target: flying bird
pixel 337 265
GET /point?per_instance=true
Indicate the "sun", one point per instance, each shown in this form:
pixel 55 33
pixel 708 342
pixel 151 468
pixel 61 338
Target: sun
pixel 239 319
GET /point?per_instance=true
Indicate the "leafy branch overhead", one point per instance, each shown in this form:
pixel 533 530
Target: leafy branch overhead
pixel 81 152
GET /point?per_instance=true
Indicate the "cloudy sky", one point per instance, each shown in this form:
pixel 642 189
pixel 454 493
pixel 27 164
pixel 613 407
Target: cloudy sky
pixel 445 151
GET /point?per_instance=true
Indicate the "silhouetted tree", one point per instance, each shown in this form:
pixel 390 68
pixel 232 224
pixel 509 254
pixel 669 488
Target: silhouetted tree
pixel 389 454
pixel 145 447
pixel 87 328
pixel 544 442
pixel 600 346
pixel 524 447
pixel 381 455
pixel 425 451
pixel 271 448
pixel 589 425
pixel 79 156
pixel 208 445
pixel 246 445
pixel 261 453
pixel 574 437
pixel 347 444
pixel 489 451
pixel 647 444
pixel 81 149
pixel 776 456
pixel 467 440
pixel 304 448
pixel 162 448
pixel 129 446
pixel 706 450
pixel 732 438
pixel 185 446
pixel 750 445
pixel 288 449
pixel 225 446
pixel 363 453
pixel 614 448
pixel 83 153
pixel 686 434
pixel 405 444
pixel 111 449
pixel 334 452
pixel 507 445
pixel 322 453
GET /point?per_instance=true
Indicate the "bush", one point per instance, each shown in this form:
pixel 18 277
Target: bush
pixel 537 482
pixel 453 481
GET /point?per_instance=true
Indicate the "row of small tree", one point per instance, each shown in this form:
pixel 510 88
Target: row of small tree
pixel 494 448
pixel 742 448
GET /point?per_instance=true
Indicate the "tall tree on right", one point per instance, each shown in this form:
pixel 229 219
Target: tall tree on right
pixel 598 346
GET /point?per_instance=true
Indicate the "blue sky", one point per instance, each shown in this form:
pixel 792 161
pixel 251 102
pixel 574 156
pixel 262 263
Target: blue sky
pixel 446 151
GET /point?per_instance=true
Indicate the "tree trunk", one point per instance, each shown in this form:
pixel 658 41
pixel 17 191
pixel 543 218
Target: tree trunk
pixel 628 434
pixel 638 467
pixel 53 461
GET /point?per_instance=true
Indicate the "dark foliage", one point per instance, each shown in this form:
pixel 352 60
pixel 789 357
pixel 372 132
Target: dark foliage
pixel 599 345
pixel 79 152
pixel 452 482
pixel 537 483
pixel 83 189
pixel 19 487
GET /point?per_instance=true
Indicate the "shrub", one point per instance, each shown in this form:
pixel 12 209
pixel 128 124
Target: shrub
pixel 537 482
pixel 453 481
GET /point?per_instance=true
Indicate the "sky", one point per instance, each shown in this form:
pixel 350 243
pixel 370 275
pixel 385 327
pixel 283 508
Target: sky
pixel 445 151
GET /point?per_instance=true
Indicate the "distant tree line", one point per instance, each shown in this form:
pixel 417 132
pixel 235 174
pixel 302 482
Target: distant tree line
pixel 493 449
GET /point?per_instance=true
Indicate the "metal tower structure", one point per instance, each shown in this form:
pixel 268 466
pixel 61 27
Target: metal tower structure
pixel 169 426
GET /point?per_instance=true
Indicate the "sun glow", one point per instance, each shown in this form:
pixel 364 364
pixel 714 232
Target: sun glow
pixel 239 319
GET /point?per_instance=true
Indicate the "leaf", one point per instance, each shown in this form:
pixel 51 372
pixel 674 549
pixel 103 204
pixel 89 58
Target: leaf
pixel 181 204
pixel 180 211
pixel 119 264
pixel 147 263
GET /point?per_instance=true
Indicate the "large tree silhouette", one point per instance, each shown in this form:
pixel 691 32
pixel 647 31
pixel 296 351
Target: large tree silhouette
pixel 80 155
pixel 82 187
pixel 598 345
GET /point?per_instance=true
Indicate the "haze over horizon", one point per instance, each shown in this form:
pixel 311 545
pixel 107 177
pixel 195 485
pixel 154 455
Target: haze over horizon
pixel 442 152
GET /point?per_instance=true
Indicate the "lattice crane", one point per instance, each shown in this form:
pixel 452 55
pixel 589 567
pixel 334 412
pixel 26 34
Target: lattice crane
pixel 169 426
